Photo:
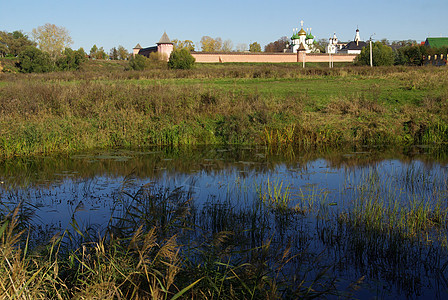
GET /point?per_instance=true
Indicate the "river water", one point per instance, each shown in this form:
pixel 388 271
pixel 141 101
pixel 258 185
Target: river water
pixel 307 194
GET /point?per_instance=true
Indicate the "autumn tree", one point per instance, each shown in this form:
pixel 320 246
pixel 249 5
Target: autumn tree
pixel 123 54
pixel 113 54
pixel 187 44
pixel 277 46
pixel 209 44
pixel 52 39
pixel 254 47
pixel 101 54
pixel 93 51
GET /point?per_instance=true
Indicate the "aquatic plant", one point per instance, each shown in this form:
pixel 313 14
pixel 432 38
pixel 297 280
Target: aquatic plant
pixel 274 195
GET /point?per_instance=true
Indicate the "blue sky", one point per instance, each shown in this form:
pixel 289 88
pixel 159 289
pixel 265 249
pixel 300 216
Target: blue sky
pixel 111 23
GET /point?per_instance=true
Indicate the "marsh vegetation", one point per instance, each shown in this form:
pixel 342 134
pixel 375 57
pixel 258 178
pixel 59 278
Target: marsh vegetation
pixel 244 223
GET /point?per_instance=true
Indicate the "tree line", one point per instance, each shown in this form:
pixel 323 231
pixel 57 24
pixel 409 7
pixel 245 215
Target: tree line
pixel 49 50
pixel 399 53
pixel 209 44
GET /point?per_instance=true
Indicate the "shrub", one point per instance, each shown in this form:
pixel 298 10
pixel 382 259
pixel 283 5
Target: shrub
pixel 155 61
pixel 33 60
pixel 409 55
pixel 137 62
pixel 181 59
pixel 140 62
pixel 70 60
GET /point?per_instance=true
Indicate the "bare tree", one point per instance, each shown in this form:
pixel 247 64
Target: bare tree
pixel 227 46
pixel 241 47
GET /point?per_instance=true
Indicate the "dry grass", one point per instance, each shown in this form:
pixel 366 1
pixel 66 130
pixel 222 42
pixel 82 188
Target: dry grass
pixel 83 110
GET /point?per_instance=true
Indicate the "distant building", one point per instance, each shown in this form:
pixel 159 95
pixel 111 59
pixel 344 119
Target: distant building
pixel 334 46
pixel 355 46
pixel 302 38
pixel 437 42
pixel 439 59
pixel 164 48
pixel 435 60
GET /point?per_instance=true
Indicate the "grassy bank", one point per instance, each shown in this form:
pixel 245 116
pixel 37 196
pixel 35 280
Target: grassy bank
pixel 222 104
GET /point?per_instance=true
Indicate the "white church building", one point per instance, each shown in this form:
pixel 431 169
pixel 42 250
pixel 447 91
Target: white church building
pixel 302 37
pixel 353 47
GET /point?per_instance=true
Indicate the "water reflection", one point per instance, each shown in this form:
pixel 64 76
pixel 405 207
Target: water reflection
pixel 86 182
pixel 341 205
pixel 23 172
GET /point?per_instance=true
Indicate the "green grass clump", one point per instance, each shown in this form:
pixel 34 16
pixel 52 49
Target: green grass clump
pixel 274 195
pixel 379 208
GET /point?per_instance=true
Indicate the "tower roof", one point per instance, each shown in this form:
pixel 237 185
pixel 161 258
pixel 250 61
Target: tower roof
pixel 138 46
pixel 302 32
pixel 164 39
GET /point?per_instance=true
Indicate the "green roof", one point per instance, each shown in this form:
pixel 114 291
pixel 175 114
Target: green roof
pixel 437 42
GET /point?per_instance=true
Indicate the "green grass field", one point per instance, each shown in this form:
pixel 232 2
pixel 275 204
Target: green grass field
pixel 104 106
pixel 319 90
